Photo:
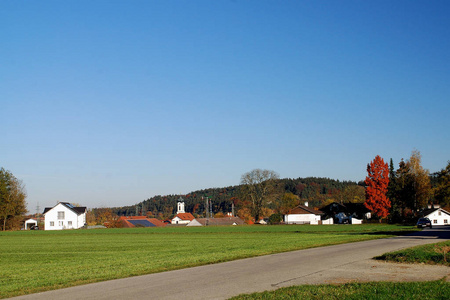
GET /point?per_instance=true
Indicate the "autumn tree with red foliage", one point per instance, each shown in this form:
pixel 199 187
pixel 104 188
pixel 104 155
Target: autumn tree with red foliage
pixel 377 182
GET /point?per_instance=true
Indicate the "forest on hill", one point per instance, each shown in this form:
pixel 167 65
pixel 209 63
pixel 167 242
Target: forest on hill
pixel 316 191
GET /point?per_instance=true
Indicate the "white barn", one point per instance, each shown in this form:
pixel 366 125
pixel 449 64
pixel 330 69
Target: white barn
pixel 64 216
pixel 438 216
pixel 302 214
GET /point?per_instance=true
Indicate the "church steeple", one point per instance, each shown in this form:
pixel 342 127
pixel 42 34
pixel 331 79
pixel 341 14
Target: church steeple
pixel 180 206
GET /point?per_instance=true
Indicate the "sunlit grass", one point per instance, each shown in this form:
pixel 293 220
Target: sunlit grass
pixel 371 290
pixel 438 253
pixel 55 259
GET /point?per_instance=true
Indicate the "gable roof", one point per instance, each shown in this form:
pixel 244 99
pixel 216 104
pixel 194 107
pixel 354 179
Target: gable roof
pixel 304 210
pixel 132 221
pixel 349 208
pixel 76 209
pixel 429 211
pixel 218 221
pixel 185 216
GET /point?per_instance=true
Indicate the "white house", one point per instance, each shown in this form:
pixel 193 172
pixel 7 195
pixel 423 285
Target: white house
pixel 438 216
pixel 302 214
pixel 64 216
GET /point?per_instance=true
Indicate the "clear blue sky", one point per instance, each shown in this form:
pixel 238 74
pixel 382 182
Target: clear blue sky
pixel 108 103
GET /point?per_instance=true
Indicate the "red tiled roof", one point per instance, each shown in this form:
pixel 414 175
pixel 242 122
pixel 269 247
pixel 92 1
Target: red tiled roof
pixel 185 216
pixel 127 224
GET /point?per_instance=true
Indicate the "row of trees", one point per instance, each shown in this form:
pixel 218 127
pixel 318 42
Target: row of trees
pixel 12 200
pixel 403 193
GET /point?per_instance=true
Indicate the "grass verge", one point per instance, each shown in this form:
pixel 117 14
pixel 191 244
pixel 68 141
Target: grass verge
pixel 438 253
pixel 372 290
pixel 35 261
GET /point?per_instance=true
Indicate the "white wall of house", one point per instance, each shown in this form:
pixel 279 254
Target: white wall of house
pixel 439 217
pixel 356 221
pixel 61 217
pixel 328 221
pixel 179 221
pixel 302 219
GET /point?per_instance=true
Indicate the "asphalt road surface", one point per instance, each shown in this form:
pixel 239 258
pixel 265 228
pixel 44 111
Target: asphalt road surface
pixel 331 264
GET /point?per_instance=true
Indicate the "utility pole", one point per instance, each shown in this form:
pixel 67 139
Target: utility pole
pixel 210 209
pixel 37 213
pixel 206 207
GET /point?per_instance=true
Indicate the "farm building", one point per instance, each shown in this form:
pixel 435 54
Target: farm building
pixel 438 216
pixel 216 221
pixel 351 213
pixel 302 214
pixel 64 216
pixel 140 221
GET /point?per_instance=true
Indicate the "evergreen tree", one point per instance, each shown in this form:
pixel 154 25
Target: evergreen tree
pixel 396 209
pixel 442 190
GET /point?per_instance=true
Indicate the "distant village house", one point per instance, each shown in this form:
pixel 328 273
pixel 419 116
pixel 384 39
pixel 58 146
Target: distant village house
pixel 140 221
pixel 216 221
pixel 303 214
pixel 437 215
pixel 345 213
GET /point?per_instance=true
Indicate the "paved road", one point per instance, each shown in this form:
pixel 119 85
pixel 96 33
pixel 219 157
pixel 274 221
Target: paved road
pixel 340 263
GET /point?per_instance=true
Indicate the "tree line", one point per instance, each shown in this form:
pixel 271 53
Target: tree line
pixel 402 194
pixel 280 195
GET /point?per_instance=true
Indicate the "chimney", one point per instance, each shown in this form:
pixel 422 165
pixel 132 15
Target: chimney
pixel 306 203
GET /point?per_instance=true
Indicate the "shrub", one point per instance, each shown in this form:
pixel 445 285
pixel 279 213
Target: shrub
pixel 275 219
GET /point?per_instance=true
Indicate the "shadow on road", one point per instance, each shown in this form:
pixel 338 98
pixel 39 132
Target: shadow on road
pixel 437 232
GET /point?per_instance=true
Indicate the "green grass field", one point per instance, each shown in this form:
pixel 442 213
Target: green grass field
pixel 33 261
pixel 357 291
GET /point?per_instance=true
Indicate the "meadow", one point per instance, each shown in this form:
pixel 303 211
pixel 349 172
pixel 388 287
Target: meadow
pixel 34 261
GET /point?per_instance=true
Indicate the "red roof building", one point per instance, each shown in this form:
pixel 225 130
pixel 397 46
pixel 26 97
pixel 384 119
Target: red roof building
pixel 183 218
pixel 140 221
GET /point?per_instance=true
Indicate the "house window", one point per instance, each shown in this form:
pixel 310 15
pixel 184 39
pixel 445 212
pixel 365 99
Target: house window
pixel 61 223
pixel 69 223
pixel 60 215
pixel 445 221
pixel 52 223
pixel 439 213
pixel 435 221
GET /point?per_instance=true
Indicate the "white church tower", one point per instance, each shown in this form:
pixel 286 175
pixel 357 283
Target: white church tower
pixel 180 207
pixel 182 217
